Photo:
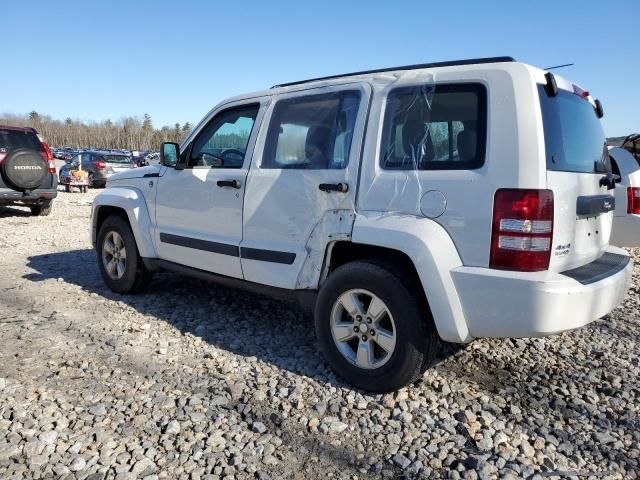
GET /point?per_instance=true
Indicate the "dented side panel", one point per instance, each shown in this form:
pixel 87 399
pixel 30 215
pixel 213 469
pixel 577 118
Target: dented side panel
pixel 335 225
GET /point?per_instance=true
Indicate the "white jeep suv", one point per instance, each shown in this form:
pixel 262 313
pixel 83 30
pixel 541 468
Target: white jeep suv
pixel 448 201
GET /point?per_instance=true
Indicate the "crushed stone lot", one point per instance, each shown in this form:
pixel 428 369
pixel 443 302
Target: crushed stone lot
pixel 193 380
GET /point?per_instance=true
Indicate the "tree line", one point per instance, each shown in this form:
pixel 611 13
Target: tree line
pixel 131 133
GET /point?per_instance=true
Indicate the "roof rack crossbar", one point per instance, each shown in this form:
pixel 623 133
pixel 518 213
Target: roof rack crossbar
pixel 453 63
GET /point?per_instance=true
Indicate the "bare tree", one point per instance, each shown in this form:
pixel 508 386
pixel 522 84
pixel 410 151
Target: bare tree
pixel 131 133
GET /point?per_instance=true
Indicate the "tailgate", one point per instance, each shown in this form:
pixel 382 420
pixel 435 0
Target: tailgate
pixel 582 219
pixel 577 172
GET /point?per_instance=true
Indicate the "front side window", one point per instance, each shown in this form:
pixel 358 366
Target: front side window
pixel 434 127
pixel 312 132
pixel 223 142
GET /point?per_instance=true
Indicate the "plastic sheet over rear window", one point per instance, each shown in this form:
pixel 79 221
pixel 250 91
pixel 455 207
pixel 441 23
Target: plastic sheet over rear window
pixel 434 127
pixel 426 130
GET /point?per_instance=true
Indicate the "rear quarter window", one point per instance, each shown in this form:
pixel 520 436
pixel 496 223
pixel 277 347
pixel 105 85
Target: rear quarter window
pixel 573 135
pixel 435 127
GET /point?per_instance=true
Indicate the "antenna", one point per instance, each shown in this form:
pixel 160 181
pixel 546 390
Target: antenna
pixel 560 66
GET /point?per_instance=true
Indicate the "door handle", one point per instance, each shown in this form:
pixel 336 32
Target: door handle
pixel 334 187
pixel 229 183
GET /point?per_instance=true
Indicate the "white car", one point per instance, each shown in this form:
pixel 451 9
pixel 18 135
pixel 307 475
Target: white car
pixel 626 221
pixel 448 201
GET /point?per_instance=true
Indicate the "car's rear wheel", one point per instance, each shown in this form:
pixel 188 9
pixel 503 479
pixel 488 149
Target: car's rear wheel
pixel 119 261
pixel 42 209
pixel 374 330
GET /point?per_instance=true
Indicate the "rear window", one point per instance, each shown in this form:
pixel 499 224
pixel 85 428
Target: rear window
pixel 573 135
pixel 112 158
pixel 429 127
pixel 11 140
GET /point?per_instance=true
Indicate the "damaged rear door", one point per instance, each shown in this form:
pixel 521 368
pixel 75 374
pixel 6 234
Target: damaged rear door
pixel 301 188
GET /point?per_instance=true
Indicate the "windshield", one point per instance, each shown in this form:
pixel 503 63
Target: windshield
pixel 113 158
pixel 573 135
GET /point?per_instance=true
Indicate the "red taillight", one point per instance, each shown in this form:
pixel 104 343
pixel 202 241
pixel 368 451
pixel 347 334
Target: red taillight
pixel 51 162
pixel 633 200
pixel 522 230
pixel 101 165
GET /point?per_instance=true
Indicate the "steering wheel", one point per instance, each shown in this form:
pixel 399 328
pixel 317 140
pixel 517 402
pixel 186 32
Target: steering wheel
pixel 232 156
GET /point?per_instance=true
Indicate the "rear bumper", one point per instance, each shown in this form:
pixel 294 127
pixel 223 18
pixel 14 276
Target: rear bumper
pixel 9 196
pixel 515 304
pixel 626 231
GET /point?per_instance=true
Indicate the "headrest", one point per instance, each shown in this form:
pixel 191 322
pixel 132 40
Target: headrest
pixel 467 145
pixel 317 146
pixel 416 139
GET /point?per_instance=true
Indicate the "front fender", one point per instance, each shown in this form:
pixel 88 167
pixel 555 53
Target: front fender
pixel 132 202
pixel 434 256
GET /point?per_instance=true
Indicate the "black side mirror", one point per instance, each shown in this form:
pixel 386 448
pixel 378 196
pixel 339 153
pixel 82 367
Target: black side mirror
pixel 169 154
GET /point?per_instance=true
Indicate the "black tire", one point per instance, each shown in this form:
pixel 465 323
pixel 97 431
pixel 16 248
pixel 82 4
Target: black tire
pixel 136 276
pixel 92 181
pixel 416 336
pixel 42 210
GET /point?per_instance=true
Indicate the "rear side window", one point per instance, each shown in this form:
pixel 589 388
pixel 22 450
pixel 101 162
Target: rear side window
pixel 312 132
pixel 11 140
pixel 573 135
pixel 434 127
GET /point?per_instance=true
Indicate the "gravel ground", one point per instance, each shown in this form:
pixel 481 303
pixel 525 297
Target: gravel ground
pixel 191 380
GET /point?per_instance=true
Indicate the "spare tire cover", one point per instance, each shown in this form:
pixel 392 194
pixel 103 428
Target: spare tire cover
pixel 24 169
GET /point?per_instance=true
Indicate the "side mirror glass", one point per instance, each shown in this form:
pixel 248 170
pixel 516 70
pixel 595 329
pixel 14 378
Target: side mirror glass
pixel 169 154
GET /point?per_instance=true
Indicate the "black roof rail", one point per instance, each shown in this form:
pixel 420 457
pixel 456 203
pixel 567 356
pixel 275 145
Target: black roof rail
pixel 453 63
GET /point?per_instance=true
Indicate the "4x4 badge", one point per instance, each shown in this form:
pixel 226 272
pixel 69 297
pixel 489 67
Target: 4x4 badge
pixel 562 250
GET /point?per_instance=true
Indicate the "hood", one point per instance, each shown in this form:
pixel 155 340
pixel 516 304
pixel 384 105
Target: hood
pixel 150 170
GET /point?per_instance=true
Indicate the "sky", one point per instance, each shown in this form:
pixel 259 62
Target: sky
pixel 176 60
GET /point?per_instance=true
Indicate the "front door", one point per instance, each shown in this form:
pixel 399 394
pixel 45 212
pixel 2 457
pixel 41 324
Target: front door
pixel 199 207
pixel 301 189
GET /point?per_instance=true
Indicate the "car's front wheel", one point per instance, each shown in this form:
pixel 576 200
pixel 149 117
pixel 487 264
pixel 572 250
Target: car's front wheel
pixel 373 328
pixel 119 261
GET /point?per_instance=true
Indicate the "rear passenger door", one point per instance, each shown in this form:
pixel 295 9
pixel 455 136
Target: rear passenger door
pixel 302 184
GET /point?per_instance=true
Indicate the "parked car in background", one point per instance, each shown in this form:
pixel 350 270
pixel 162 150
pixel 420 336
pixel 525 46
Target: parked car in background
pixel 632 145
pixel 626 220
pixel 451 201
pixel 138 158
pixel 27 170
pixel 99 164
pixel 153 158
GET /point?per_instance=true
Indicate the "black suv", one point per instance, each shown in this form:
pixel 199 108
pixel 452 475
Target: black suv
pixel 27 170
